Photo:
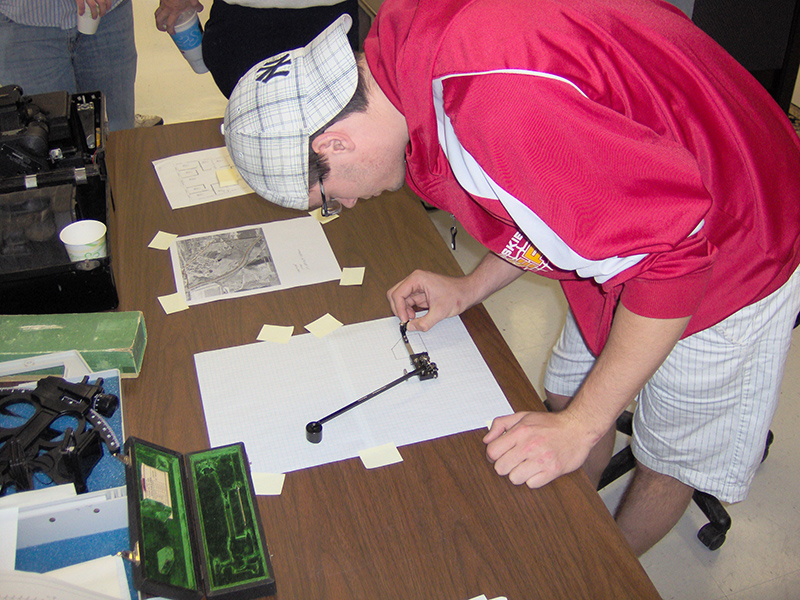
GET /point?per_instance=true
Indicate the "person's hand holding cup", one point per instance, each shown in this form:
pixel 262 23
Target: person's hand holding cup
pixel 89 13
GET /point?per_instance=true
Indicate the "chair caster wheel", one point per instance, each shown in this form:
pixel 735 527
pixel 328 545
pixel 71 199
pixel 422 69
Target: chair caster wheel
pixel 770 439
pixel 711 537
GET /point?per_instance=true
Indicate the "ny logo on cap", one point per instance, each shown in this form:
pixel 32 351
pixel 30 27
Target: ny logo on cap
pixel 270 68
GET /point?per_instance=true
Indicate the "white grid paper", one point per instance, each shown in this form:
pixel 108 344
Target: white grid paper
pixel 265 394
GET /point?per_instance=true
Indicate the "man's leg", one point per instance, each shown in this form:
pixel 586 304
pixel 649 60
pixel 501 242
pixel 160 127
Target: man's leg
pixel 702 420
pixel 106 61
pixel 710 426
pixel 38 59
pixel 650 507
pixel 652 503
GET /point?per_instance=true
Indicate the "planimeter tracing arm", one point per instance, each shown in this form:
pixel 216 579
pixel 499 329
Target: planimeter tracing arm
pixel 423 367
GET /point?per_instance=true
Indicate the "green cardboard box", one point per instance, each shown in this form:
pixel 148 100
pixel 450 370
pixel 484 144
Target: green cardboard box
pixel 108 340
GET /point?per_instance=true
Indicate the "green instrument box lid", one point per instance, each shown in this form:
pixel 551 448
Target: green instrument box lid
pixel 108 340
pixel 194 524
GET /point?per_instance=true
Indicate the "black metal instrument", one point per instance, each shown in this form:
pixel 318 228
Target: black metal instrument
pixel 56 429
pixel 423 368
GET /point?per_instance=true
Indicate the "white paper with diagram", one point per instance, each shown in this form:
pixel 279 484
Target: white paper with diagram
pixel 199 177
pixel 252 259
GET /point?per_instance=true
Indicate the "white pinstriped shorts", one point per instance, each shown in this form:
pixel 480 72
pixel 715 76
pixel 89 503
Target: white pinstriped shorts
pixel 704 416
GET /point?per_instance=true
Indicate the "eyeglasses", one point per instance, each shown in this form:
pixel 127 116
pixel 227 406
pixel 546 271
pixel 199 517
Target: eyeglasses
pixel 329 207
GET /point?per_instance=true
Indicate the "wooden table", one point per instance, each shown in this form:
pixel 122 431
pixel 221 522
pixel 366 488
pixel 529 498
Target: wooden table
pixel 441 525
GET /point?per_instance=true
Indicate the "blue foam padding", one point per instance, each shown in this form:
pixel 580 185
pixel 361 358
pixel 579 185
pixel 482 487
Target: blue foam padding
pixel 109 472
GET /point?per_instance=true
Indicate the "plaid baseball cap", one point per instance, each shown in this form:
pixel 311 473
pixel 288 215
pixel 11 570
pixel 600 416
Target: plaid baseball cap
pixel 279 103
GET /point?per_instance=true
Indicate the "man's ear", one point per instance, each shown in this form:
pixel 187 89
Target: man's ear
pixel 332 142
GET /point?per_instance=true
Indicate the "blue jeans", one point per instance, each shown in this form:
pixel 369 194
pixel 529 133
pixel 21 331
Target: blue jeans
pixel 49 59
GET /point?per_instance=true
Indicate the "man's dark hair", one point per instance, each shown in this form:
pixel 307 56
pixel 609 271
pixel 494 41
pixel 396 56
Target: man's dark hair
pixel 318 166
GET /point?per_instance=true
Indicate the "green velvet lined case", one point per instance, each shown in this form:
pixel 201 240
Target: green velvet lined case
pixel 194 524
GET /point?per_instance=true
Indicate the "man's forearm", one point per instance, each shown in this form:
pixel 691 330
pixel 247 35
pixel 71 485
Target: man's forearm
pixel 536 447
pixel 493 273
pixel 635 349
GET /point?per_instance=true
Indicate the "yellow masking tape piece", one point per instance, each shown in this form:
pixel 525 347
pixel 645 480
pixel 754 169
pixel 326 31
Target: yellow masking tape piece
pixel 352 276
pixel 380 456
pixel 268 484
pixel 173 303
pixel 162 240
pixel 324 325
pixel 275 333
pixel 227 177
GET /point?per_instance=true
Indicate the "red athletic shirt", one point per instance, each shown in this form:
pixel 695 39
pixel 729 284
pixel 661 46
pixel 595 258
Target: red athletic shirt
pixel 642 164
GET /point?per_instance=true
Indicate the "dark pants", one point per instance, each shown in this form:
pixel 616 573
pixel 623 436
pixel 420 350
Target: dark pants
pixel 237 37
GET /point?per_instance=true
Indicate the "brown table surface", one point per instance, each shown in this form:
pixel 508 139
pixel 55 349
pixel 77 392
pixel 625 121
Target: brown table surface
pixel 439 525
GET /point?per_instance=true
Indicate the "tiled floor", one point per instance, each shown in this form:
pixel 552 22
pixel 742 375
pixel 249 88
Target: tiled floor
pixel 761 558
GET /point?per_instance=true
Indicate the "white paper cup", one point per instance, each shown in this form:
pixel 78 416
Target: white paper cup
pixel 84 240
pixel 86 24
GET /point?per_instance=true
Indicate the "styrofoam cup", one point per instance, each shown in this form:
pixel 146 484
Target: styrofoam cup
pixel 188 37
pixel 195 58
pixel 86 24
pixel 84 240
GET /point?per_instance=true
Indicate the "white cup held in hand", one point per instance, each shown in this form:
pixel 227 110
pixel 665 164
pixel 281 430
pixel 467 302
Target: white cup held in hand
pixel 86 24
pixel 84 240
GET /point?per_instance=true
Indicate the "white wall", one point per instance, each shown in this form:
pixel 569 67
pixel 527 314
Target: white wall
pixel 165 83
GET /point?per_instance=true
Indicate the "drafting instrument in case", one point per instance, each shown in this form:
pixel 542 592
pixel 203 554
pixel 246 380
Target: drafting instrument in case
pixel 194 524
